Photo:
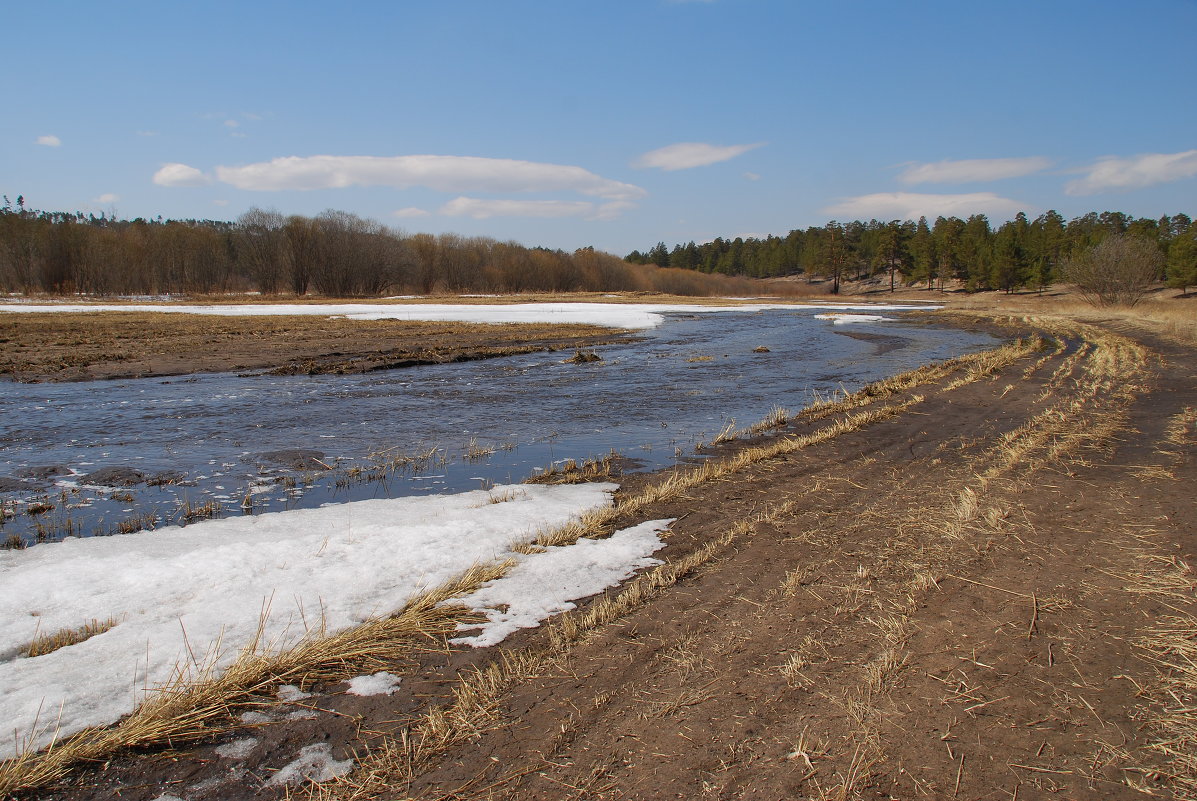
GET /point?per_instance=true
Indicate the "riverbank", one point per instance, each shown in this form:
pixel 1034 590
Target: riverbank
pixel 969 581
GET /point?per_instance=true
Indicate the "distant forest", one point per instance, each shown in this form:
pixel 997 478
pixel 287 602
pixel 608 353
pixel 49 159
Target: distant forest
pixel 1018 254
pixel 336 254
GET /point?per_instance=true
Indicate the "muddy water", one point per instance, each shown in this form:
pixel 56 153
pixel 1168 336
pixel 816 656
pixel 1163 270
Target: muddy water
pixel 260 444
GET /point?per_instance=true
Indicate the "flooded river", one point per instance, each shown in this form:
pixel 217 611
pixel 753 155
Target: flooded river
pixel 105 457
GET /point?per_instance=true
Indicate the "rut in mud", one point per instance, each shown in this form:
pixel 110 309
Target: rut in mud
pixel 970 583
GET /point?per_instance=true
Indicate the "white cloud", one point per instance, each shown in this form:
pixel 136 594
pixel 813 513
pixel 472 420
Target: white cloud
pixel 612 209
pixel 967 170
pixel 220 203
pixel 441 173
pixel 176 174
pixel 107 197
pixel 49 140
pixel 752 176
pixel 410 211
pixel 1134 172
pixel 685 155
pixel 231 124
pixel 911 206
pixel 481 209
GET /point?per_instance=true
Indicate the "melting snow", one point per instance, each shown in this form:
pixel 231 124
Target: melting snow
pixel 381 683
pixel 841 318
pixel 543 584
pixel 178 594
pixel 237 749
pixel 314 762
pixel 289 692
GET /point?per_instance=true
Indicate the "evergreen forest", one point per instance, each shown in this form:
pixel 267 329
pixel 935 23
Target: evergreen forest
pixel 1019 254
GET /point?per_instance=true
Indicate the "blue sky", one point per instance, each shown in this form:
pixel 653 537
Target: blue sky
pixel 614 124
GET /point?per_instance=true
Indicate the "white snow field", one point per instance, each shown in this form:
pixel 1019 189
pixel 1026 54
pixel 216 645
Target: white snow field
pixel 614 315
pixel 179 594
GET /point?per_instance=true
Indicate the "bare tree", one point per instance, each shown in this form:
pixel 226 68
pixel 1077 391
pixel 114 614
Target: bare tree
pixel 261 244
pixel 1116 272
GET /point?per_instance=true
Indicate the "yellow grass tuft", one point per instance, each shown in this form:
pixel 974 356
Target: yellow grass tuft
pixel 48 643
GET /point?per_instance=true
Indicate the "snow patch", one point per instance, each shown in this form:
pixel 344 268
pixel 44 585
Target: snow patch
pixel 237 749
pixel 289 692
pixel 545 584
pixel 842 319
pixel 381 683
pixel 178 591
pixel 314 762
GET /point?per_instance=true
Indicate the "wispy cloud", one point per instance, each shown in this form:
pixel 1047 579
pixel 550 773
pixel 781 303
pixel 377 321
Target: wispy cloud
pixel 685 155
pixel 440 173
pixel 176 174
pixel 49 140
pixel 968 170
pixel 410 211
pixel 482 209
pixel 107 197
pixel 1134 172
pixel 752 176
pixel 912 205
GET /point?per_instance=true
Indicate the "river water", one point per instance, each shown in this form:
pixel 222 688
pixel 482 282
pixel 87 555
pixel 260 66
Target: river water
pixel 231 441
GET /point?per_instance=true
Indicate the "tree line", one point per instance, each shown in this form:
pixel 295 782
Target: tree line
pixel 1020 253
pixel 336 254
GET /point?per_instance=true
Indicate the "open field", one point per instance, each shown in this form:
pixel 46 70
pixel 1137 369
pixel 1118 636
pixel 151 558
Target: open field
pixel 971 581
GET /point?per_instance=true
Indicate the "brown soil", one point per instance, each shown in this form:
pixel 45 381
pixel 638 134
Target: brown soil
pixel 100 345
pixel 958 596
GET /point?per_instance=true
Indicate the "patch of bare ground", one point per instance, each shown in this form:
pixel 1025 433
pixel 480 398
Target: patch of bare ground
pixel 970 581
pixel 76 346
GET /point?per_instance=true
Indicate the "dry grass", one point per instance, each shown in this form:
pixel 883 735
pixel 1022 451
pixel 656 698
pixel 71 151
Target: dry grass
pixel 475 451
pixel 778 417
pixel 190 513
pixel 43 644
pixel 571 472
pixel 1171 644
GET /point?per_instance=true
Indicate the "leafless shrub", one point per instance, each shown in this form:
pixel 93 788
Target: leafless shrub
pixel 1117 272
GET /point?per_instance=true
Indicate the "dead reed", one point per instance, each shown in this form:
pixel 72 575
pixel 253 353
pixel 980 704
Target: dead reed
pixel 571 471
